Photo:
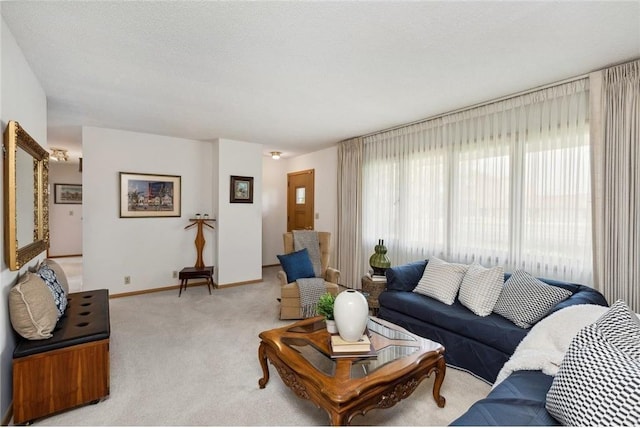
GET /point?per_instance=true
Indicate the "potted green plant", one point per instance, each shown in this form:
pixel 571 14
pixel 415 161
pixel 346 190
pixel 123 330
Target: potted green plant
pixel 324 307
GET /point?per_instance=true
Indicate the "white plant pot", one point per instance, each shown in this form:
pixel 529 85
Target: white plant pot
pixel 331 326
pixel 351 312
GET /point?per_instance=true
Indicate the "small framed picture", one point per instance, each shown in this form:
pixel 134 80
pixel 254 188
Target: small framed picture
pixel 67 193
pixel 149 195
pixel 241 190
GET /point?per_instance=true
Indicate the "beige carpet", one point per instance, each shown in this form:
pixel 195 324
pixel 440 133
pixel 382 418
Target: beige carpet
pixel 193 360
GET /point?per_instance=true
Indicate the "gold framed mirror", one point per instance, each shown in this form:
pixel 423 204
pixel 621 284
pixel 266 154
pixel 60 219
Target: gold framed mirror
pixel 26 197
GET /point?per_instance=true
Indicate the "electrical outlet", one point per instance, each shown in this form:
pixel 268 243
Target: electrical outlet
pixel 127 280
pixel 175 273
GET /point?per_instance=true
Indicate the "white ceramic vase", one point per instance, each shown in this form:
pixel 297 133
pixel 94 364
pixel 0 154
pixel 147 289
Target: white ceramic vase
pixel 351 312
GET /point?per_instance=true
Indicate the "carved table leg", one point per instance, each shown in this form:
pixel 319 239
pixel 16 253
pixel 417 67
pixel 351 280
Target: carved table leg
pixel 262 356
pixel 337 419
pixel 440 372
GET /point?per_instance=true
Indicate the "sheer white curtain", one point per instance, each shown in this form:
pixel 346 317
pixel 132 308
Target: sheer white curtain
pixel 507 183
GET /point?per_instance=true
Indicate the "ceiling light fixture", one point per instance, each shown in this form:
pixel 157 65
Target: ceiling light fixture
pixel 59 154
pixel 275 155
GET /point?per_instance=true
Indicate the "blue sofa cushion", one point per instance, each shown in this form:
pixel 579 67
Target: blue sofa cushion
pixel 518 400
pixel 405 277
pixel 457 319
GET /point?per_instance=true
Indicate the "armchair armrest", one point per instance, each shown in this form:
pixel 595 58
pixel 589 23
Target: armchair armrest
pixel 282 277
pixel 332 275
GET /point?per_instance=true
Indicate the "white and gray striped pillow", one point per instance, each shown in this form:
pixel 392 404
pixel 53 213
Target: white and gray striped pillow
pixel 481 288
pixel 441 280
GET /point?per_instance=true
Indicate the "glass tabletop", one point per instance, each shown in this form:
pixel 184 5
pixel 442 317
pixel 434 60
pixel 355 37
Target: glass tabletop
pixel 360 366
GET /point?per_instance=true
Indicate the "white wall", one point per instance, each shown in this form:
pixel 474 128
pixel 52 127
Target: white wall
pixel 325 164
pixel 274 208
pixel 146 249
pixel 23 99
pixel 65 220
pixel 239 224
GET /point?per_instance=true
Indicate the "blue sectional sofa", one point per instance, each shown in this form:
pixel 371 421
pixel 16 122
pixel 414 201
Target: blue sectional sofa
pixel 480 345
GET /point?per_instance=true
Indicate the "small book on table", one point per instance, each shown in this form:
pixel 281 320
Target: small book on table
pixel 340 348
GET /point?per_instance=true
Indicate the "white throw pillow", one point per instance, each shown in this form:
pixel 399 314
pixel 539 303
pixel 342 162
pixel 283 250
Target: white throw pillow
pixel 441 280
pixel 481 288
pixel 598 382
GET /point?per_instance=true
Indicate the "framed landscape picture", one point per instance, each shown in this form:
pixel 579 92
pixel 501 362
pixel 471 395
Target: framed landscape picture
pixel 149 195
pixel 241 190
pixel 67 193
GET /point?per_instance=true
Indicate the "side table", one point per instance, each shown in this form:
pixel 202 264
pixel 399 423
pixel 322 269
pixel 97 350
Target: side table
pixel 372 289
pixel 200 273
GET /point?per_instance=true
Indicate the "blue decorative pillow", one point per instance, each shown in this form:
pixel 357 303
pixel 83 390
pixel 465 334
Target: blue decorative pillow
pixel 49 277
pixel 297 265
pixel 405 277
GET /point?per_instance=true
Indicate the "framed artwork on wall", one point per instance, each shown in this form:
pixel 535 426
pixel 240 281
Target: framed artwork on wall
pixel 241 191
pixel 149 195
pixel 67 193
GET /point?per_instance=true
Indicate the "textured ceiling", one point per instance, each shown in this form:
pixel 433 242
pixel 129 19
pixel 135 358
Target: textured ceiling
pixel 300 76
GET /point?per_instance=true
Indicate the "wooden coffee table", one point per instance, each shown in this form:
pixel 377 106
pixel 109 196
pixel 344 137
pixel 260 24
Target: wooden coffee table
pixel 345 387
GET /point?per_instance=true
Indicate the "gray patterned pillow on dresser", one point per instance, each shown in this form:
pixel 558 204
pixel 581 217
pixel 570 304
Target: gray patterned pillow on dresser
pixel 481 288
pixel 60 275
pixel 441 280
pixel 59 296
pixel 525 300
pixel 598 382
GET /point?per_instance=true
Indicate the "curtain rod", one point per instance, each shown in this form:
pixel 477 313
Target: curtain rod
pixel 482 104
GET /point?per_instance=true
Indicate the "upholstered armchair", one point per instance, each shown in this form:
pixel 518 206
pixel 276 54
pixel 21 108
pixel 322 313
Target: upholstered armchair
pixel 290 307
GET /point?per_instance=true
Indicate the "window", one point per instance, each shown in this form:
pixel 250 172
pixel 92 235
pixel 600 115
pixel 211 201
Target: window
pixel 507 183
pixel 300 195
